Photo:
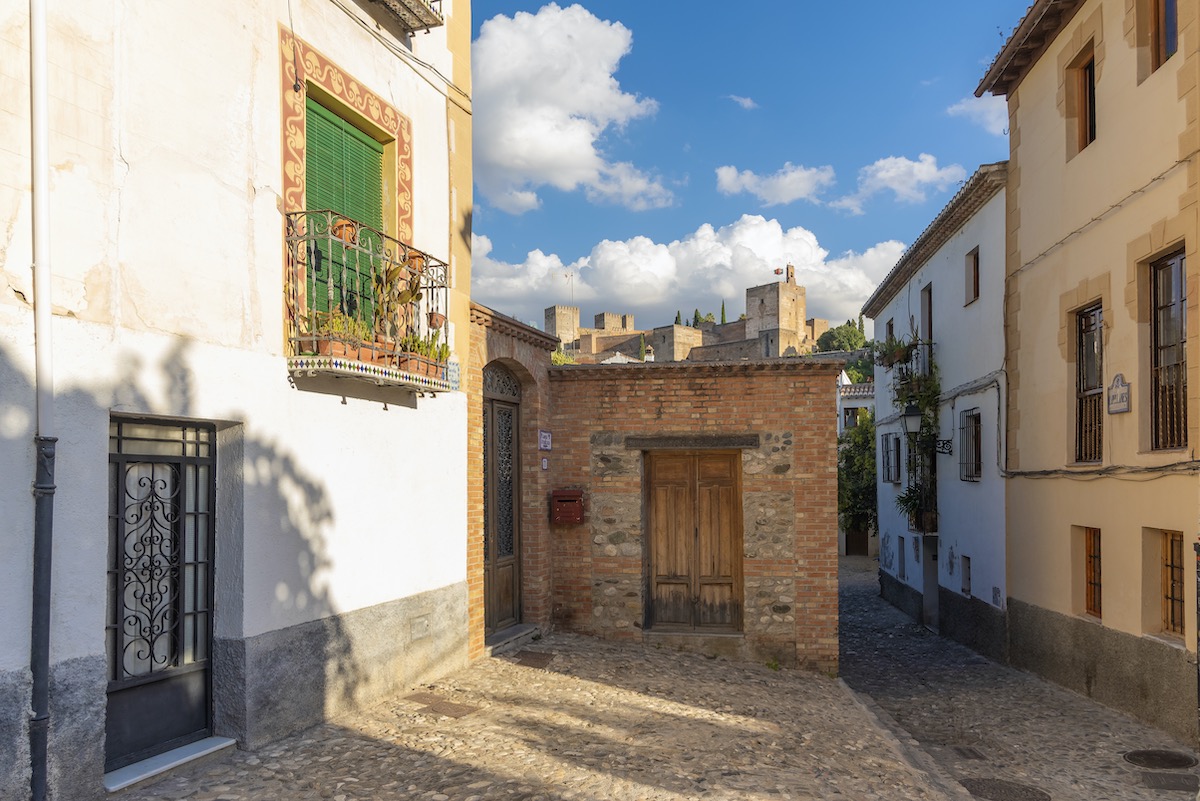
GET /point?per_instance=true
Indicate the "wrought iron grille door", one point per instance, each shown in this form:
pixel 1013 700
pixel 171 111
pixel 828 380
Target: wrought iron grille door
pixel 501 493
pixel 160 551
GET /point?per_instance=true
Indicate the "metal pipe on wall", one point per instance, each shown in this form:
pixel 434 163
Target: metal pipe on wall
pixel 43 482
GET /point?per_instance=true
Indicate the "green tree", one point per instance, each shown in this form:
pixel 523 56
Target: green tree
pixel 862 369
pixel 709 318
pixel 844 337
pixel 857 508
pixel 642 348
pixel 722 312
pixel 696 319
pixel 678 318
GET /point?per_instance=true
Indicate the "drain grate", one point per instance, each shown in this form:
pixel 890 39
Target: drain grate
pixel 968 752
pixel 451 710
pixel 1171 781
pixel 424 698
pixel 1002 790
pixel 533 659
pixel 1160 759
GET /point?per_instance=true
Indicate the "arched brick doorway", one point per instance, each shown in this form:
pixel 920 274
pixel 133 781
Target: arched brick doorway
pixel 501 498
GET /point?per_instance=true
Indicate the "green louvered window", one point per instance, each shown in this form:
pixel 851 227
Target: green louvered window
pixel 343 172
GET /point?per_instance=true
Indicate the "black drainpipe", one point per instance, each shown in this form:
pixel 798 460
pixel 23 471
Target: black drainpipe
pixel 39 639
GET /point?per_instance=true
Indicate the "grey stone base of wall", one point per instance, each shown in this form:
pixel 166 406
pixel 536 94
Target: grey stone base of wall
pixel 977 625
pixel 1147 678
pixel 730 646
pixel 75 769
pixel 900 595
pixel 281 682
pixel 15 687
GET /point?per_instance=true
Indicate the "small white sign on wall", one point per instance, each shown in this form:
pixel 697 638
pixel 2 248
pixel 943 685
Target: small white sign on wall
pixel 1118 395
pixel 543 440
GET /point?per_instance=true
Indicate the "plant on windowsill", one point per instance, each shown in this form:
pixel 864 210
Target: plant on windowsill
pixel 894 351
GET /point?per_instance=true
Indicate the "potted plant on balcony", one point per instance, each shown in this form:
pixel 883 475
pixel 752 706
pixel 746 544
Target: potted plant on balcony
pixel 424 354
pixel 894 351
pixel 395 293
pixel 339 334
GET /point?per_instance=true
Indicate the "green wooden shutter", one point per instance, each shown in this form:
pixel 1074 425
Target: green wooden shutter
pixel 343 172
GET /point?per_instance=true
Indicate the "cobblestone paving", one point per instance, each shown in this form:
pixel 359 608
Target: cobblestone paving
pixel 1004 723
pixel 600 721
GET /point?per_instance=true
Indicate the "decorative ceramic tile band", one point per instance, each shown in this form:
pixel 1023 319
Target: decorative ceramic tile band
pixel 373 373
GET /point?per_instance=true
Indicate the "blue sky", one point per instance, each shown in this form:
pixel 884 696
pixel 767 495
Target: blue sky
pixel 649 156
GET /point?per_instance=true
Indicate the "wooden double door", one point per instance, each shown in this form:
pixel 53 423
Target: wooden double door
pixel 694 505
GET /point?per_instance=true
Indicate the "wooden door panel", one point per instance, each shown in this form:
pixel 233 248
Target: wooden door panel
pixel 672 603
pixel 715 532
pixel 718 608
pixel 672 532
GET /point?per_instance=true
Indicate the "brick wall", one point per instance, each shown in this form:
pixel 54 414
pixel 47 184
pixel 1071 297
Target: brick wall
pixel 525 352
pixel 789 482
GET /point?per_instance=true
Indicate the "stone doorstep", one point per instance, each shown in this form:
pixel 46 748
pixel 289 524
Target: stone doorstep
pixel 511 638
pixel 156 765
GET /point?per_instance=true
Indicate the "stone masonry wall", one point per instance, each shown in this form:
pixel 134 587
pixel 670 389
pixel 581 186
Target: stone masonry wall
pixel 789 483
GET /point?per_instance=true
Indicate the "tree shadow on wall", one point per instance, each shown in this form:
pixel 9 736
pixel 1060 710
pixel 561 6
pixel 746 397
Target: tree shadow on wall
pixel 267 502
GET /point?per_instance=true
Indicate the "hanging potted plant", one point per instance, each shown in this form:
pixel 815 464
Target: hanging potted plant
pixel 395 293
pixel 436 320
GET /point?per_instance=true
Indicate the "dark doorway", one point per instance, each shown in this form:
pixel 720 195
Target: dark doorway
pixel 160 548
pixel 501 498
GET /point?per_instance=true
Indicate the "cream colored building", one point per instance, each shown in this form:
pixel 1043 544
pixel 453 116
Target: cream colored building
pixel 1101 344
pixel 252 531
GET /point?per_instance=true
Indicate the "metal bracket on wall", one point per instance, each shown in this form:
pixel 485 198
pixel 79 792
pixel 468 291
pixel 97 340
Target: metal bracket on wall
pixel 944 446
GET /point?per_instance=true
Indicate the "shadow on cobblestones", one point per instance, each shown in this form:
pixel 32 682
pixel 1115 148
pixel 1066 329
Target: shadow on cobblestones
pixel 979 719
pixel 603 722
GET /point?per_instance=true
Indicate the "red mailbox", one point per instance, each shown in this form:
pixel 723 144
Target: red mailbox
pixel 566 506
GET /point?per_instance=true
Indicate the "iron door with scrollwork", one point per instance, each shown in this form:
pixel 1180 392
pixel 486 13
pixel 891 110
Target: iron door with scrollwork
pixel 159 628
pixel 501 505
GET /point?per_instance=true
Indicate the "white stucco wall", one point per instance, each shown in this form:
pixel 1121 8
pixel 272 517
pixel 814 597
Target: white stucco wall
pixel 168 259
pixel 969 352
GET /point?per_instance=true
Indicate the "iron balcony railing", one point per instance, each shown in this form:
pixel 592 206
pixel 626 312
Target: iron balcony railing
pixel 919 363
pixel 358 294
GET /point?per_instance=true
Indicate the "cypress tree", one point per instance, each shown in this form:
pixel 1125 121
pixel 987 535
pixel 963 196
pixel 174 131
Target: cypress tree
pixel 723 312
pixel 678 318
pixel 696 319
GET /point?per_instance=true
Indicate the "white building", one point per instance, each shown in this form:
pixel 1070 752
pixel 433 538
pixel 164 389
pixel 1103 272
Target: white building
pixel 250 533
pixel 942 306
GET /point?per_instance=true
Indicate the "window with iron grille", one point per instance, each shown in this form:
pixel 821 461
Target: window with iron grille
pixel 970 445
pixel 890 461
pixel 1168 368
pixel 1172 582
pixel 1089 385
pixel 1091 545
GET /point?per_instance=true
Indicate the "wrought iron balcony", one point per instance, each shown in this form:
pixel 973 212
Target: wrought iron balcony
pixel 416 15
pixel 365 306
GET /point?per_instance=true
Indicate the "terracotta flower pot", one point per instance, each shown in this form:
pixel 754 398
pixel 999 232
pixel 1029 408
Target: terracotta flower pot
pixel 436 320
pixel 344 230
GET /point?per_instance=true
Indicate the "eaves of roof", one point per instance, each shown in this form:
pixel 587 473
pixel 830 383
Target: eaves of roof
pixel 1029 40
pixel 509 326
pixel 977 191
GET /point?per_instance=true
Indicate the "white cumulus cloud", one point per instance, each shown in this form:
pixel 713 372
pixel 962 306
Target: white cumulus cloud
pixel 789 184
pixel 988 112
pixel 745 102
pixel 908 180
pixel 652 280
pixel 544 96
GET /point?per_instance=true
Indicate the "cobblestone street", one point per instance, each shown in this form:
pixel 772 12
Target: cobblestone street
pixel 978 722
pixel 576 718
